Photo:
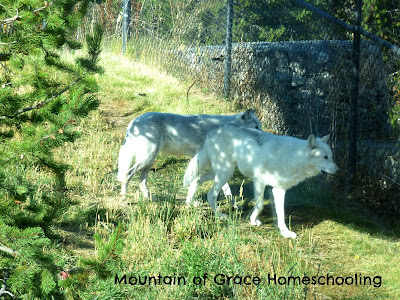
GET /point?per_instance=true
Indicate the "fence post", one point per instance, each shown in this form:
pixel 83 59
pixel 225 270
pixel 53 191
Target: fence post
pixel 353 111
pixel 228 47
pixel 125 23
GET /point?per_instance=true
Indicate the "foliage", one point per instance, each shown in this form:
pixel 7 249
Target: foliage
pixel 395 112
pixel 43 96
pixel 32 268
pixel 92 276
pixel 381 17
pixel 271 21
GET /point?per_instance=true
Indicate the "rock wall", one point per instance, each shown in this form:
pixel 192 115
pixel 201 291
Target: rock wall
pixel 298 88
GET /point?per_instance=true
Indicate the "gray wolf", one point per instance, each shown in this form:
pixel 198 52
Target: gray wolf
pixel 278 161
pixel 154 132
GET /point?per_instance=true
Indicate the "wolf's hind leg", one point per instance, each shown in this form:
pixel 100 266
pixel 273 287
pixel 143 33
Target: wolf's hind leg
pixel 210 175
pixel 259 188
pixel 221 178
pixel 197 174
pixel 195 183
pixel 145 157
pixel 143 182
pixel 126 154
pixel 191 193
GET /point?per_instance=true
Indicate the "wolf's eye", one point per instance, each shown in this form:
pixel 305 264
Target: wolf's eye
pixel 326 157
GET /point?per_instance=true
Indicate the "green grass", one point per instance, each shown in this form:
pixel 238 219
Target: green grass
pixel 169 239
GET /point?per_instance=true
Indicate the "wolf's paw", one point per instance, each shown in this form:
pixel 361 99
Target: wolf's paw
pixel 255 222
pixel 238 207
pixel 289 234
pixel 153 198
pixel 194 203
pixel 222 216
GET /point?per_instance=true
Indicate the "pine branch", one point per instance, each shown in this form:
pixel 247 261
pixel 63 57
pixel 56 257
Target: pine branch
pixel 11 20
pixel 111 253
pixel 17 17
pixel 14 42
pixel 46 5
pixel 8 250
pixel 3 289
pixel 2 293
pixel 40 104
pixel 7 84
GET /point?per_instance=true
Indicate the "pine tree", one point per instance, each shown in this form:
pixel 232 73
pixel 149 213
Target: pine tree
pixel 43 95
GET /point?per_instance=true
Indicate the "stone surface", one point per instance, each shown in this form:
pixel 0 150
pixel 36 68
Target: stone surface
pixel 298 88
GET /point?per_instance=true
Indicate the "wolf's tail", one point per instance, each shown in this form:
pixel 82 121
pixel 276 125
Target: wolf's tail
pixel 199 163
pixel 126 154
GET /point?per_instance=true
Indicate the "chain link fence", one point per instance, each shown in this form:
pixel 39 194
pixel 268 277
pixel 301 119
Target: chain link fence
pixel 295 62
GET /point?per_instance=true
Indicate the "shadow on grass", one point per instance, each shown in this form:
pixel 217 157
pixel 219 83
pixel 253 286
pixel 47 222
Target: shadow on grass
pixel 314 201
pixel 308 204
pixel 77 227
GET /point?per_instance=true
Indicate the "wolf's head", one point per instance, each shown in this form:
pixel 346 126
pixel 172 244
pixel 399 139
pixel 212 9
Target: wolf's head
pixel 321 154
pixel 249 119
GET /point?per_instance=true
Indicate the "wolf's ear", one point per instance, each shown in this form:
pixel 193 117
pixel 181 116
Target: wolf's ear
pixel 312 143
pixel 326 138
pixel 247 114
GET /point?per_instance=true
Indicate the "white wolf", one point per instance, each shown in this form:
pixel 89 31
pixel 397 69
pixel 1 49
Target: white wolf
pixel 277 161
pixel 153 132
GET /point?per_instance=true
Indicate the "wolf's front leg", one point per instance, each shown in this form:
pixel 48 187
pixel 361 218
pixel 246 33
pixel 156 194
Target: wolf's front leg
pixel 279 199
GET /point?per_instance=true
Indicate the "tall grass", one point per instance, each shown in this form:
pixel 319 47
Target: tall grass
pixel 168 239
